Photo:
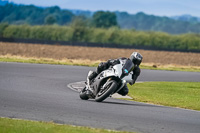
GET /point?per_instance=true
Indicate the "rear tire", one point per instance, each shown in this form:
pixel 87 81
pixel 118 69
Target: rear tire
pixel 83 94
pixel 112 85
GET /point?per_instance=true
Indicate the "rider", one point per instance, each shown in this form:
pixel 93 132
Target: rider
pixel 135 57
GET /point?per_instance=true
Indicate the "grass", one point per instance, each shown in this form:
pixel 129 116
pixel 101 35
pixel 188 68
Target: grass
pixel 79 62
pixel 8 125
pixel 175 94
pixel 170 67
pixel 75 62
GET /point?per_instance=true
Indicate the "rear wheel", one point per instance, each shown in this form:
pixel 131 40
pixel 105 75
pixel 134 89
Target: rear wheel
pixel 106 91
pixel 83 94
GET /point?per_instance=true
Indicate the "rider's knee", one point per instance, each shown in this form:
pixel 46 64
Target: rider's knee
pixel 101 67
pixel 92 75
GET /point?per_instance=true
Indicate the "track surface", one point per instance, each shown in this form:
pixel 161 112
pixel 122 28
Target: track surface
pixel 39 92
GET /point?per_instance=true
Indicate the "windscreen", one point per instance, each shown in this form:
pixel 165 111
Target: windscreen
pixel 128 67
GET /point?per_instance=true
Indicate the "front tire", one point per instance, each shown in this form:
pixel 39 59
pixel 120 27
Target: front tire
pixel 104 93
pixel 83 94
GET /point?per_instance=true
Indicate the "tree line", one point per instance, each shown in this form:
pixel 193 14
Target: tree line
pixel 20 14
pixel 142 21
pixel 32 15
pixel 79 32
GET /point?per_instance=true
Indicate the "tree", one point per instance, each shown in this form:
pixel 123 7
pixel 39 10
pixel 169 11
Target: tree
pixel 3 26
pixel 79 25
pixel 103 19
pixel 66 17
pixel 50 19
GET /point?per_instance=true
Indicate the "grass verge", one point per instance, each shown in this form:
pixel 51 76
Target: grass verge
pixel 175 94
pixel 75 62
pixel 8 125
pixel 80 62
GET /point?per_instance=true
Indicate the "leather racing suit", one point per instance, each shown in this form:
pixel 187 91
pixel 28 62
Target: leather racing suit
pixel 105 65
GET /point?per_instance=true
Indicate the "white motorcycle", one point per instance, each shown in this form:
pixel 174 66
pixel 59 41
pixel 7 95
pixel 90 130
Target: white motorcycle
pixel 108 82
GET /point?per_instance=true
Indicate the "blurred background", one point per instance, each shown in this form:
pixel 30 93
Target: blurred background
pixel 140 24
pixel 175 17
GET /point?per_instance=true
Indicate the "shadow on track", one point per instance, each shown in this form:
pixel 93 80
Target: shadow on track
pixel 128 104
pixel 133 104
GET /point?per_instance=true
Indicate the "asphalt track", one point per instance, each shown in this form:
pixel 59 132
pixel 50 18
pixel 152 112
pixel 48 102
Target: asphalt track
pixel 39 92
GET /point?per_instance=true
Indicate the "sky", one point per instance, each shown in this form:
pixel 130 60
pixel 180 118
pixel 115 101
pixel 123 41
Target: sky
pixel 154 7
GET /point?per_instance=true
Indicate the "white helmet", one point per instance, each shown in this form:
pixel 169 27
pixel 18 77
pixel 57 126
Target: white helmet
pixel 136 58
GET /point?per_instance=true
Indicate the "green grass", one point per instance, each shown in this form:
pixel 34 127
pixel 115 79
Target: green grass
pixel 175 94
pixel 8 125
pixel 174 68
pixel 47 61
pixel 85 63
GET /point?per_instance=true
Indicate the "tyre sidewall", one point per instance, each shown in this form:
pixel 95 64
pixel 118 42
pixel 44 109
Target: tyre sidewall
pixel 111 89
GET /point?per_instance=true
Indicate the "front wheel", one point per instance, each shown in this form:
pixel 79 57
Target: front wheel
pixel 83 94
pixel 106 91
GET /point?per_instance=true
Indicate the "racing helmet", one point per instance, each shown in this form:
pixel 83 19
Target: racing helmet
pixel 136 58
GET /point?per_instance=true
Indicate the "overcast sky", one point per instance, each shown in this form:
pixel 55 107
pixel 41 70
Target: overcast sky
pixel 155 7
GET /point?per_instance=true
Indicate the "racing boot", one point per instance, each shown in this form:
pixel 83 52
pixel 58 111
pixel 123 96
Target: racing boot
pixel 89 93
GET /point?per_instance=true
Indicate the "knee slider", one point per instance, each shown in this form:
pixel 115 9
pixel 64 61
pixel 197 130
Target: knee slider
pixel 92 75
pixel 102 66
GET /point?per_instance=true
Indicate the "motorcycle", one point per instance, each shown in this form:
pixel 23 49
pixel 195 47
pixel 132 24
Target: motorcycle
pixel 108 82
